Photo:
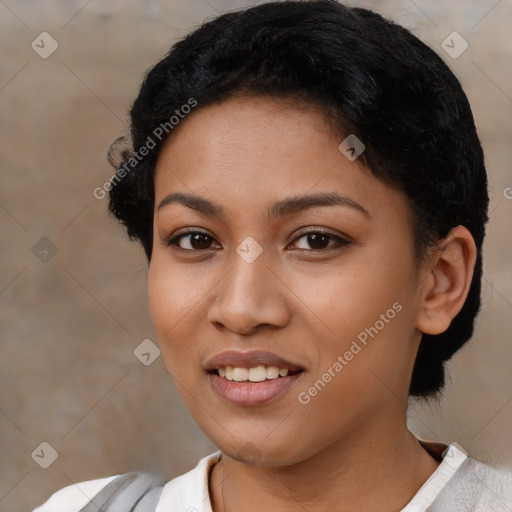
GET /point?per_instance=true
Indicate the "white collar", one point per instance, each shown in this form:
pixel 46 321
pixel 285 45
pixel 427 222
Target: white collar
pixel 453 457
pixel 190 491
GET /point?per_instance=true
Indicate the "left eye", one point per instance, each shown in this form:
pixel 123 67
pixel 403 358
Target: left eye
pixel 319 238
pixel 316 239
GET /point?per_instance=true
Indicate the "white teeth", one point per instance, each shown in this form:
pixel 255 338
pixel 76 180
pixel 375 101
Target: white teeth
pixel 258 374
pixel 272 372
pixel 255 374
pixel 240 374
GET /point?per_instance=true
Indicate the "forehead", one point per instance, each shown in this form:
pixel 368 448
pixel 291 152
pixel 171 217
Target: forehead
pixel 254 123
pixel 257 139
pixel 254 151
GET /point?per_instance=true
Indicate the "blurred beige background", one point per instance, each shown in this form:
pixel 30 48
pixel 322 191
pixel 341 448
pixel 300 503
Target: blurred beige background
pixel 73 304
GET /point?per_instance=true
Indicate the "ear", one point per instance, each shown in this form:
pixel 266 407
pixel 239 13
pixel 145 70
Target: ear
pixel 446 286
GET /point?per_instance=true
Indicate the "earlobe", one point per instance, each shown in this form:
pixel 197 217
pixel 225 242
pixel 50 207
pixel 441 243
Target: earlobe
pixel 446 287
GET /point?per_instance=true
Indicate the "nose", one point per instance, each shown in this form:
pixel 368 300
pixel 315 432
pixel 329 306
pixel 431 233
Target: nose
pixel 249 296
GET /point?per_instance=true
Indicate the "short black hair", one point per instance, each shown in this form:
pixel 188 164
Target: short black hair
pixel 370 77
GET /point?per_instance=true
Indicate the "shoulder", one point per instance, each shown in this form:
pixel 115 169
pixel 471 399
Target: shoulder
pixel 493 486
pixel 480 487
pixel 138 491
pixel 75 496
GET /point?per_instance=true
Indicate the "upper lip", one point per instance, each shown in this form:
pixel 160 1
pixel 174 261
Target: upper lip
pixel 249 359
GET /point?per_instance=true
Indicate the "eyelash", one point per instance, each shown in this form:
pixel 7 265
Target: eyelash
pixel 340 242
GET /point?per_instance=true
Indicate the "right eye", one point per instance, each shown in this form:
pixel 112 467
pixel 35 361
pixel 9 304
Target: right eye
pixel 196 241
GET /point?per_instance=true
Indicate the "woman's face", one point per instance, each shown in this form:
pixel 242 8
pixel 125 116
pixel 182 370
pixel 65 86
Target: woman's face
pixel 342 310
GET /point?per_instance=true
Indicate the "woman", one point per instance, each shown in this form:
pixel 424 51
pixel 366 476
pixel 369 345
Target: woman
pixel 309 188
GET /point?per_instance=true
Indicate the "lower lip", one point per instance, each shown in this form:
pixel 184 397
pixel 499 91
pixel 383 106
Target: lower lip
pixel 251 393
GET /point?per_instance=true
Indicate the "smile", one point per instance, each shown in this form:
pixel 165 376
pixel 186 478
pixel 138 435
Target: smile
pixel 252 386
pixel 255 374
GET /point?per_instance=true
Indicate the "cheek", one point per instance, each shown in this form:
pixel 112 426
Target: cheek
pixel 172 294
pixel 171 307
pixel 161 297
pixel 367 317
pixel 350 296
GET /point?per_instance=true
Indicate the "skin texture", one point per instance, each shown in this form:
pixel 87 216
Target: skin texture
pixel 349 448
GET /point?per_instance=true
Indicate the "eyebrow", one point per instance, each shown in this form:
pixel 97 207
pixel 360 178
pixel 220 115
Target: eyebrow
pixel 281 208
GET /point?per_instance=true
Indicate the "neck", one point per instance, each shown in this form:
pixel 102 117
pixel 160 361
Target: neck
pixel 370 471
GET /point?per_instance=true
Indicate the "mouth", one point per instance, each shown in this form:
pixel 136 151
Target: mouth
pixel 251 387
pixel 251 378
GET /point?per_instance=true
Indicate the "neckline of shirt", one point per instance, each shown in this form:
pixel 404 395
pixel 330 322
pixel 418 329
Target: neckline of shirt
pixel 193 487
